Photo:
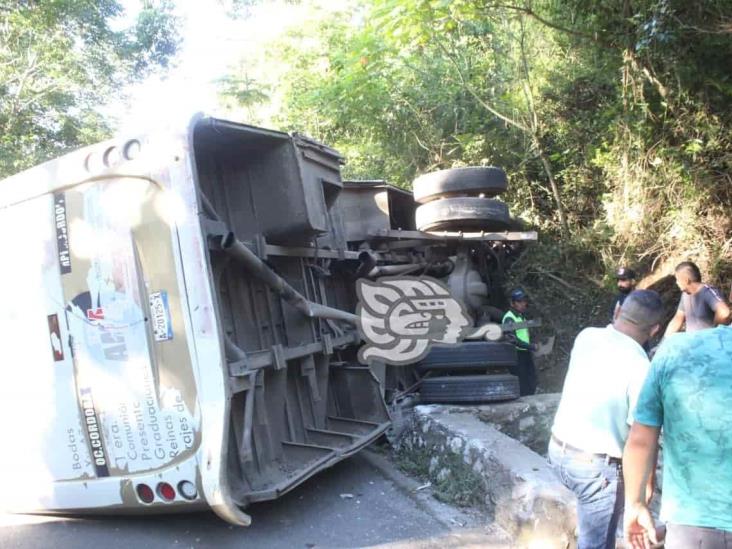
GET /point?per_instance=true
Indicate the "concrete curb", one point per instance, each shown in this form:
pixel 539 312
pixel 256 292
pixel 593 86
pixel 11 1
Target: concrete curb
pixel 519 490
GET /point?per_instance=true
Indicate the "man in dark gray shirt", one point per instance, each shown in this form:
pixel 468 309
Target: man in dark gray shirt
pixel 701 306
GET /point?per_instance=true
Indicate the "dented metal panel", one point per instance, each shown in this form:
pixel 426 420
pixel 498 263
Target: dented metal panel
pixel 119 310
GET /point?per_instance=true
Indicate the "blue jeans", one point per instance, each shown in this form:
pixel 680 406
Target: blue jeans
pixel 598 486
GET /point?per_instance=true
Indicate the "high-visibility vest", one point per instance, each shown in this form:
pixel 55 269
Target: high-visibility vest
pixel 523 333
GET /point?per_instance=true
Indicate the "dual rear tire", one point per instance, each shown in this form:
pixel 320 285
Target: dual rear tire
pixel 463 199
pixel 460 199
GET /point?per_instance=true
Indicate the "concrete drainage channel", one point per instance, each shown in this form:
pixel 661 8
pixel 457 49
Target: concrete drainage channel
pixel 489 456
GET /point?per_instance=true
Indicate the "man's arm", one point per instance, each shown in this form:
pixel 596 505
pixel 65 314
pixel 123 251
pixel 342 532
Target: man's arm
pixel 634 389
pixel 676 323
pixel 722 314
pixel 715 302
pixel 639 460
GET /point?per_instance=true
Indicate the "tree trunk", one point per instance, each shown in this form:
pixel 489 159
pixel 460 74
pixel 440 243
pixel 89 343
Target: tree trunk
pixel 555 189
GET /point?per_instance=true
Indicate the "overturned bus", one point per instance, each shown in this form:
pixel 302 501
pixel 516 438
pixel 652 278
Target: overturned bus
pixel 178 327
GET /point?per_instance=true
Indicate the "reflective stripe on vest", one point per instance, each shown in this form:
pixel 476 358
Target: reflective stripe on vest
pixel 523 333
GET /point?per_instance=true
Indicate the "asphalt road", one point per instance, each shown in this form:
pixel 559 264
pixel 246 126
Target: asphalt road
pixel 385 510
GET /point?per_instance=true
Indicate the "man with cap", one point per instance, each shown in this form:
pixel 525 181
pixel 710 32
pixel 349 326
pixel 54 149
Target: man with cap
pixel 607 367
pixel 626 283
pixel 524 369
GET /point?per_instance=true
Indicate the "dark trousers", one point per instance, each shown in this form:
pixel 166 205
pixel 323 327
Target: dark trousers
pixel 685 537
pixel 525 371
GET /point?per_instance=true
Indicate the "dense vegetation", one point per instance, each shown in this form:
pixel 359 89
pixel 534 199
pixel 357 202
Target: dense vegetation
pixel 612 117
pixel 60 60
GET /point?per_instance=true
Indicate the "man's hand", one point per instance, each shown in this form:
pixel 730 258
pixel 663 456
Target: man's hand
pixel 545 347
pixel 640 531
pixel 639 462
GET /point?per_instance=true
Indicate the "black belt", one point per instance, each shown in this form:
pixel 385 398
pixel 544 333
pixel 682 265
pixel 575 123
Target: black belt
pixel 586 455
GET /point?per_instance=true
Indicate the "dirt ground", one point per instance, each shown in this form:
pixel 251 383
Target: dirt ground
pixel 565 308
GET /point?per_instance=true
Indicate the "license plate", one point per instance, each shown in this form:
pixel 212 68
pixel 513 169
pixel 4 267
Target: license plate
pixel 160 315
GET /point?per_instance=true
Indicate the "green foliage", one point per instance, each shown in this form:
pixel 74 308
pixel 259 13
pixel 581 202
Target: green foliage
pixel 616 112
pixel 59 60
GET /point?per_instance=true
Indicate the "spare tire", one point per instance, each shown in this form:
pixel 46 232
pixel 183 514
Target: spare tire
pixel 464 213
pixel 489 181
pixel 470 389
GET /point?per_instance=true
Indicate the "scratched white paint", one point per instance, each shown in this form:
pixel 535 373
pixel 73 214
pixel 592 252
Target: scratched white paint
pixel 42 431
pixel 147 428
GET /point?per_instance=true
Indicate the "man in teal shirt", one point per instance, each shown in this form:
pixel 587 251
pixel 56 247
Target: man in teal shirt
pixel 688 392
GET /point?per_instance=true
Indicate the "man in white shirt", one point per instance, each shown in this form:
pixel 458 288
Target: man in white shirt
pixel 606 371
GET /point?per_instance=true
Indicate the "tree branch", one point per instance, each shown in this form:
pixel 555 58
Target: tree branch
pixel 725 27
pixel 469 88
pixel 526 10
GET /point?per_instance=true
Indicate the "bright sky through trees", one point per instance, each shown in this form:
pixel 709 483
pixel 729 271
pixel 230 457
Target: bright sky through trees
pixel 212 41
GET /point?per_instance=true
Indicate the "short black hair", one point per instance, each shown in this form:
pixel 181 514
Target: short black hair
pixel 643 308
pixel 691 269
